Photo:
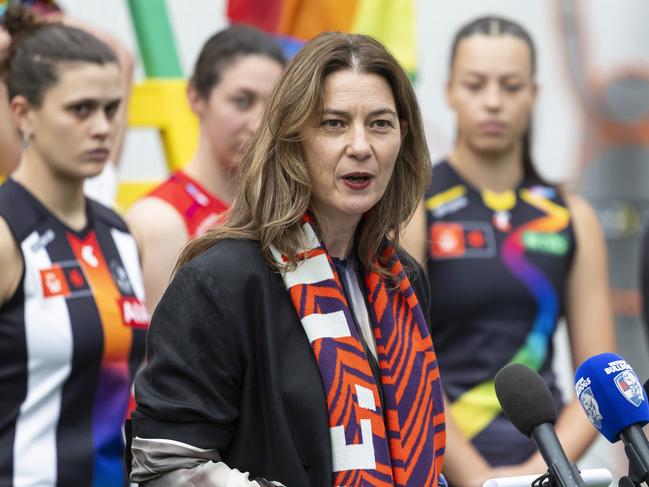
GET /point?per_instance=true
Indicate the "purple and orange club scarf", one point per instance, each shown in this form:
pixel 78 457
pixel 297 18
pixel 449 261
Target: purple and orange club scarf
pixel 398 443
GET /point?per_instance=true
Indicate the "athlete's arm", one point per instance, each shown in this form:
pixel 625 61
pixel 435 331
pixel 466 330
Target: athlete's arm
pixel 463 464
pixel 11 263
pixel 589 315
pixel 644 277
pixel 413 235
pixel 160 234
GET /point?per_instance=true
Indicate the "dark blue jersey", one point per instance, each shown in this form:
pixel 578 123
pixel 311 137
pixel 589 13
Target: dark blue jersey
pixel 498 265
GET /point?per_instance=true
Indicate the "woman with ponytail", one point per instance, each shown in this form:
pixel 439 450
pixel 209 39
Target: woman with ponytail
pixel 72 319
pixel 102 187
pixel 507 256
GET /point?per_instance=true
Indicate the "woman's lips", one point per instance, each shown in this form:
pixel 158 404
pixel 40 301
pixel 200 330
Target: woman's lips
pixel 99 155
pixel 357 180
pixel 492 127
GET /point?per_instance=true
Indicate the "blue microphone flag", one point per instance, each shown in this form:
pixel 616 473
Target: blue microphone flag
pixel 611 394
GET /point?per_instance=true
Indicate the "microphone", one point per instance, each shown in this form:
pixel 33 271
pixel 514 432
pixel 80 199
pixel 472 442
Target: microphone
pixel 616 404
pixel 528 404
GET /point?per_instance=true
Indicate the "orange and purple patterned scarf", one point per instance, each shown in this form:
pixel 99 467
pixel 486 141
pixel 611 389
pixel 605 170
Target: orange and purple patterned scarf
pixel 402 445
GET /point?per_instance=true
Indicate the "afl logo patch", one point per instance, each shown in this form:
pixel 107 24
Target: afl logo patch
pixel 121 278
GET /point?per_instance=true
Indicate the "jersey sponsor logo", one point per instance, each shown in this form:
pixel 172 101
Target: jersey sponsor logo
pixel 476 239
pixel 546 243
pixel 121 277
pixel 88 255
pixel 197 195
pixel 54 282
pixel 76 278
pixel 64 279
pixel 629 386
pixel 43 240
pixel 447 240
pixel 134 313
pixel 547 192
pixel 454 240
pixel 452 206
pixel 502 221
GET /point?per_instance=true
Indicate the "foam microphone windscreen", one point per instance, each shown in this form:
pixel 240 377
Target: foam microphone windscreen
pixel 611 394
pixel 524 397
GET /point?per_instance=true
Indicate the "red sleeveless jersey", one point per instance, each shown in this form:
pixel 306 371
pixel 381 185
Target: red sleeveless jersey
pixel 199 209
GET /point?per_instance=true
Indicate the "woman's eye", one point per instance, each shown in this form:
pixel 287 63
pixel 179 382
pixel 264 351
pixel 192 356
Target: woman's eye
pixel 111 109
pixel 473 86
pixel 332 124
pixel 81 110
pixel 242 102
pixel 513 88
pixel 382 124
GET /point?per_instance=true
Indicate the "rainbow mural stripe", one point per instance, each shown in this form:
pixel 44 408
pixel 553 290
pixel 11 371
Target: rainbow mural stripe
pixel 476 408
pixel 160 101
pixel 296 21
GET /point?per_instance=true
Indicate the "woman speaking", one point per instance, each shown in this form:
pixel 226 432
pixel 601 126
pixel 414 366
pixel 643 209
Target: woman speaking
pixel 292 345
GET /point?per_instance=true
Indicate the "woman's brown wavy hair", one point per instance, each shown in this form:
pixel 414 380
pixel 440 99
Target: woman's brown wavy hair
pixel 273 188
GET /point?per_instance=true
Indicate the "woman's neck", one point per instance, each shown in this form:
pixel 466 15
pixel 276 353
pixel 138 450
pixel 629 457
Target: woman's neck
pixel 61 195
pixel 338 236
pixel 211 174
pixel 498 173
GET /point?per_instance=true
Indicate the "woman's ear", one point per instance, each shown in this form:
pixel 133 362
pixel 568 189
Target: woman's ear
pixel 449 94
pixel 196 101
pixel 21 113
pixel 535 91
pixel 403 126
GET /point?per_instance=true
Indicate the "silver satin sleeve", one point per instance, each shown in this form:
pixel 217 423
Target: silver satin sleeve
pixel 167 463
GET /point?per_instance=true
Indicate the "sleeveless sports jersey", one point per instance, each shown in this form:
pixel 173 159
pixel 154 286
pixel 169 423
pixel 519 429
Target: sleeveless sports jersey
pixel 498 266
pixel 198 208
pixel 71 339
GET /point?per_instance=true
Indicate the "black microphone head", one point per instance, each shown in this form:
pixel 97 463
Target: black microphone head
pixel 646 387
pixel 524 397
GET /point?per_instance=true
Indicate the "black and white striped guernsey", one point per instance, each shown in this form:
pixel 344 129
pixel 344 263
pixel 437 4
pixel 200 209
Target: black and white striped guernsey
pixel 71 339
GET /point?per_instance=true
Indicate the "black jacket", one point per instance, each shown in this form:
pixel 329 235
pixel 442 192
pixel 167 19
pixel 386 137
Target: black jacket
pixel 230 368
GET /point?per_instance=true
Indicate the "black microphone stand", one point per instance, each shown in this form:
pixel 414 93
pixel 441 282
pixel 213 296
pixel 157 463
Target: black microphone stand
pixel 638 470
pixel 551 479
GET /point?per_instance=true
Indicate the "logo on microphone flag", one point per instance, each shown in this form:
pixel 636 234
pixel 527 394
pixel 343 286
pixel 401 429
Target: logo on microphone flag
pixel 589 403
pixel 629 385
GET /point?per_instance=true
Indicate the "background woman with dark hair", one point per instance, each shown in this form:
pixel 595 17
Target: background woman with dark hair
pixel 234 75
pixel 72 320
pixel 507 255
pixel 102 187
pixel 292 344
